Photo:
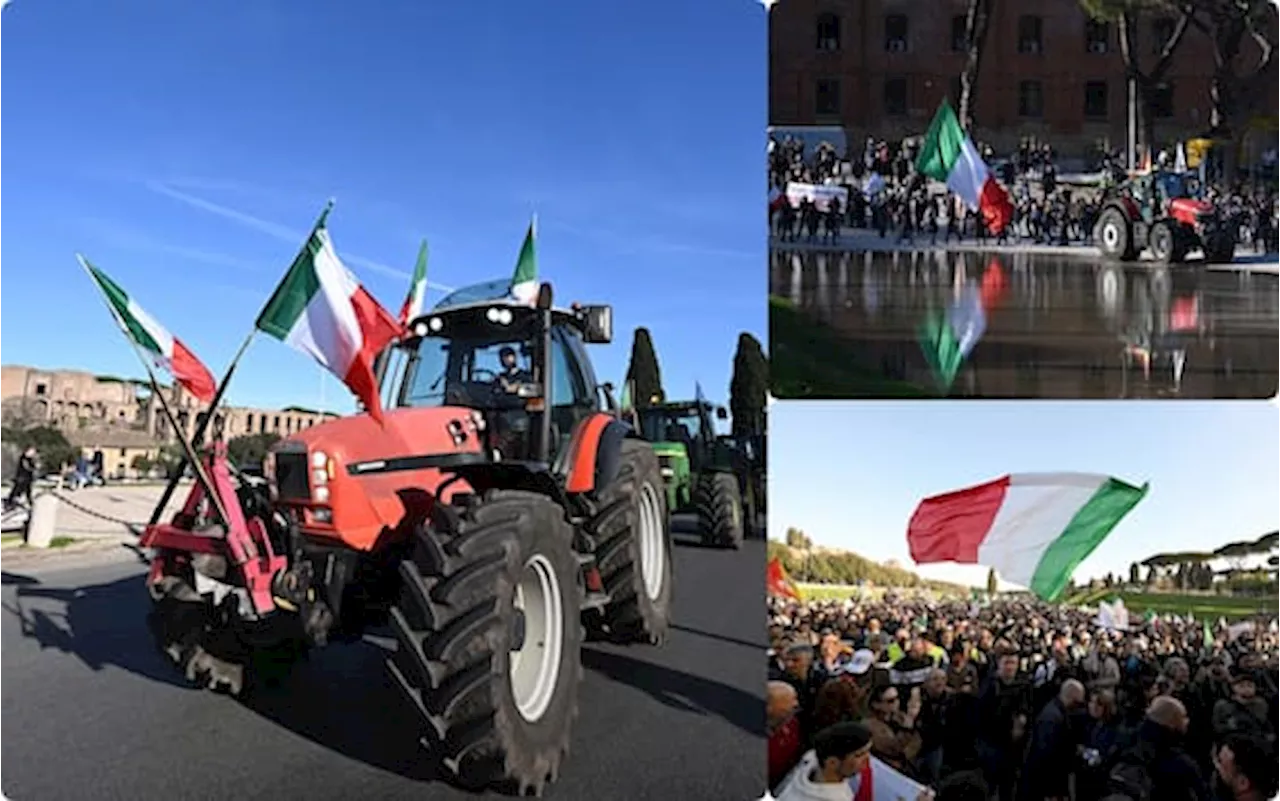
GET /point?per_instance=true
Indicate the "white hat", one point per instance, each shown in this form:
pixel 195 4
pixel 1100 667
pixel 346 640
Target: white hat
pixel 861 662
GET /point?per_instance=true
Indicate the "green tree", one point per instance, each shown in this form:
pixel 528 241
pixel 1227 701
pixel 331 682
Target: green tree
pixel 797 539
pixel 1243 65
pixel 643 372
pixel 251 449
pixel 749 388
pixel 993 583
pixel 52 447
pixel 976 23
pixel 1126 16
pixel 142 463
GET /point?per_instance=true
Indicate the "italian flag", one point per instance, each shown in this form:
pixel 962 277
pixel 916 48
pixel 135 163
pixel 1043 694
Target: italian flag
pixel 1033 528
pixel 524 282
pixel 167 350
pixel 321 309
pixel 414 301
pixel 948 155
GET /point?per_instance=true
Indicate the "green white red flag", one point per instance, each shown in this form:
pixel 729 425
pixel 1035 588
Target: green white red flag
pixel 1033 528
pixel 164 348
pixel 948 155
pixel 416 299
pixel 321 309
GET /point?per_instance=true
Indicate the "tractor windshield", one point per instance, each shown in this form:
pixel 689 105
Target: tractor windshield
pixel 464 359
pixel 671 425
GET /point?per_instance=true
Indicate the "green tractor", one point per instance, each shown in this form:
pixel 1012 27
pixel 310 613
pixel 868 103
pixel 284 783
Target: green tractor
pixel 700 470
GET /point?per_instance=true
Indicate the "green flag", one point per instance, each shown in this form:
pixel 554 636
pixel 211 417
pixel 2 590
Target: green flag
pixel 524 281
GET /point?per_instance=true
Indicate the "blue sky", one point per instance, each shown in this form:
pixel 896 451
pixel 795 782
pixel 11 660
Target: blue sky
pixel 186 148
pixel 850 474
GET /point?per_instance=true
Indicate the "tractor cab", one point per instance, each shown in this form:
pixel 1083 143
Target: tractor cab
pixel 688 424
pixel 522 369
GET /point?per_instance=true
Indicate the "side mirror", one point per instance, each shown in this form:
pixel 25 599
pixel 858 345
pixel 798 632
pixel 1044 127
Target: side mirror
pixel 722 413
pixel 598 324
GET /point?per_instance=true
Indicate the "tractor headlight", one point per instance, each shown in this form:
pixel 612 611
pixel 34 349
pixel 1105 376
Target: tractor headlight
pixel 323 469
pixel 435 324
pixel 667 472
pixel 499 315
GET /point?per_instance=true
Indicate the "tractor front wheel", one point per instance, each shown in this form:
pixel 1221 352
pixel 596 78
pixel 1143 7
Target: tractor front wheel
pixel 488 628
pixel 719 505
pixel 633 532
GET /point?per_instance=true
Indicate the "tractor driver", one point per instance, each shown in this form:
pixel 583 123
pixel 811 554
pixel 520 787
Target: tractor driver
pixel 512 375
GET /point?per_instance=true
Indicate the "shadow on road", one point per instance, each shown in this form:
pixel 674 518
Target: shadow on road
pixel 342 697
pixel 102 624
pixel 679 690
pixel 20 580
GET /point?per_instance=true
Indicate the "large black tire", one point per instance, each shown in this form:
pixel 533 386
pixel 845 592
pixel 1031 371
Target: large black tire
pixel 1162 241
pixel 457 625
pixel 719 504
pixel 633 511
pixel 1114 235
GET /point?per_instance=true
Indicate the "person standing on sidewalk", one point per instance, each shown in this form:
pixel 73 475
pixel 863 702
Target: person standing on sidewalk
pixel 23 478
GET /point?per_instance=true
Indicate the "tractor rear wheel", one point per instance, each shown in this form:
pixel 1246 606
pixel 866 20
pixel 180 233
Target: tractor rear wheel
pixel 488 628
pixel 1115 235
pixel 633 532
pixel 719 505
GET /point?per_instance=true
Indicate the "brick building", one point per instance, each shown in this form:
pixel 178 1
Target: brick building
pixel 880 67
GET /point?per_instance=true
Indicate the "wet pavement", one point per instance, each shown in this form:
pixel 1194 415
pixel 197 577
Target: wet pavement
pixel 1020 325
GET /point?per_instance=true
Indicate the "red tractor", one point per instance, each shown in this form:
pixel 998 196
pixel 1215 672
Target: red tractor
pixel 1157 212
pixel 502 511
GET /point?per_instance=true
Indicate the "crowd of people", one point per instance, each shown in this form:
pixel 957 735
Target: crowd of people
pixel 901 206
pixel 1019 700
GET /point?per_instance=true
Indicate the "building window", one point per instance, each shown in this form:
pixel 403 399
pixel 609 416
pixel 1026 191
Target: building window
pixel 1097 37
pixel 828 33
pixel 895 33
pixel 275 423
pixel 1030 99
pixel 826 97
pixel 1161 33
pixel 895 97
pixel 959 34
pixel 1030 34
pixel 42 390
pixel 1095 99
pixel 1162 100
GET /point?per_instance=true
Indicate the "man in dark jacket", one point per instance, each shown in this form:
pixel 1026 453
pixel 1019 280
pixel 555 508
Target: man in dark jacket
pixel 1051 755
pixel 23 478
pixel 1003 706
pixel 1244 712
pixel 1157 767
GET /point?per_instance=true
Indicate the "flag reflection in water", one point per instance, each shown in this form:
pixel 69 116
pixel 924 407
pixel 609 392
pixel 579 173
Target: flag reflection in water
pixel 947 337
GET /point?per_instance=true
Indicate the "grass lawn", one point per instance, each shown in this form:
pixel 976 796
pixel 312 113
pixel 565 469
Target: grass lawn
pixel 825 592
pixel 1202 606
pixel 810 360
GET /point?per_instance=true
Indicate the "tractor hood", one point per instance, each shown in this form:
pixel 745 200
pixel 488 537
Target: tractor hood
pixel 358 508
pixel 1189 210
pixel 404 432
pixel 671 450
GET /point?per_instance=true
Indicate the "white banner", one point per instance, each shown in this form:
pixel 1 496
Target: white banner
pixel 820 194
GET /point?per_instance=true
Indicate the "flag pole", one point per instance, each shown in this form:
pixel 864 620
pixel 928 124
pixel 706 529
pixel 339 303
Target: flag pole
pixel 201 476
pixel 201 425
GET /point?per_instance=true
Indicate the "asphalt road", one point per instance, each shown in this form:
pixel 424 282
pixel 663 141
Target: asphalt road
pixel 91 711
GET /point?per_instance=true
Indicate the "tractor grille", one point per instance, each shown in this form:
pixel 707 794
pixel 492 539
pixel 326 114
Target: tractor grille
pixel 291 476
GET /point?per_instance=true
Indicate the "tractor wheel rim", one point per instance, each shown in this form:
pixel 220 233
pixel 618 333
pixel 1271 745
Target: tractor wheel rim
pixel 535 666
pixel 1110 235
pixel 653 545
